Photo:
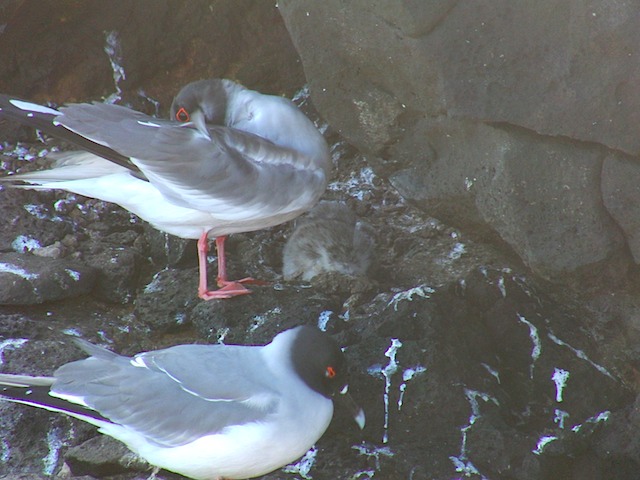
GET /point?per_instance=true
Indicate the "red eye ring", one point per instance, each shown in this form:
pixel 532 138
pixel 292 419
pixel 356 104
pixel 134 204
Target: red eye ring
pixel 330 372
pixel 182 115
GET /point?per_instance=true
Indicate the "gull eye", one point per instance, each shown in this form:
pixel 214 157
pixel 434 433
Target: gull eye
pixel 182 115
pixel 330 372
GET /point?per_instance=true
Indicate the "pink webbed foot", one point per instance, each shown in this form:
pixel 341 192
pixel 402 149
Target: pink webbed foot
pixel 228 288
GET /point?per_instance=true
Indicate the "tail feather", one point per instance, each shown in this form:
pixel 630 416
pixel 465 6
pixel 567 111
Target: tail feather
pixel 24 381
pixel 29 114
pixel 35 392
pixel 67 166
pixel 44 119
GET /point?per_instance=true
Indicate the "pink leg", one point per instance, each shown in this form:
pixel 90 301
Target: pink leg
pixel 228 289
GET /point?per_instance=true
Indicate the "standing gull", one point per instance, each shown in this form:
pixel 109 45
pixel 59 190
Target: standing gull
pixel 203 411
pixel 231 160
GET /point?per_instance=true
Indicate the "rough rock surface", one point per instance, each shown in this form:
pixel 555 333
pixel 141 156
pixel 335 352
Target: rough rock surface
pixel 492 117
pixel 27 279
pixel 158 45
pixel 467 362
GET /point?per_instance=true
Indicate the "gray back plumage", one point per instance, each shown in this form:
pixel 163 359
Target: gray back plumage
pixel 186 391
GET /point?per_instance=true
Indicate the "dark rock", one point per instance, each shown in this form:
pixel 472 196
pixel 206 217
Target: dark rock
pixel 27 279
pixel 165 304
pixel 13 325
pixel 440 97
pixel 261 315
pixel 34 440
pixel 117 270
pixel 103 456
pixel 619 194
pixel 468 61
pixel 168 251
pixel 495 378
pixel 30 220
pixel 38 357
pixel 621 429
pixel 554 220
pixel 25 476
pixel 152 44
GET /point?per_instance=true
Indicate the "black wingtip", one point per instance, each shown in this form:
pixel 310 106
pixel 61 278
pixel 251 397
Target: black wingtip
pixel 43 118
pixel 39 396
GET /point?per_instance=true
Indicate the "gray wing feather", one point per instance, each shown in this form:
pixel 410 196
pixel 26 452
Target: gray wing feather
pixel 187 392
pixel 230 169
pixel 211 372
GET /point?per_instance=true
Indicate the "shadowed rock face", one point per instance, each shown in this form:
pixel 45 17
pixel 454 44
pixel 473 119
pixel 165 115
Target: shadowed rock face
pixel 466 362
pixel 160 46
pixel 516 121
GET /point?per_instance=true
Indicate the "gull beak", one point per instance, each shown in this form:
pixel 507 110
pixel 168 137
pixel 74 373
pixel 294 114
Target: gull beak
pixel 198 120
pixel 354 409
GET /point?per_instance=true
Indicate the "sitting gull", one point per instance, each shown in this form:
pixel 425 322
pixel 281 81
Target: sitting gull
pixel 203 411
